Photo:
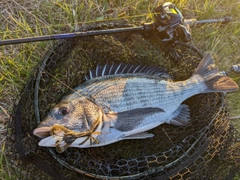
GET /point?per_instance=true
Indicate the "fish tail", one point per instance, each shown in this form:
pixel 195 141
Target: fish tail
pixel 214 81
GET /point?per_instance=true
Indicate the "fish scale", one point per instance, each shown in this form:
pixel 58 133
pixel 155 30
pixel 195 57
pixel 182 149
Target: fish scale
pixel 139 92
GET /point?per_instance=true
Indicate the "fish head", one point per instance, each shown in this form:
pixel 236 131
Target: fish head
pixel 74 114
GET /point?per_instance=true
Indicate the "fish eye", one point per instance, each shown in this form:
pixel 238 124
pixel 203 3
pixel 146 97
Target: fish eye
pixel 63 111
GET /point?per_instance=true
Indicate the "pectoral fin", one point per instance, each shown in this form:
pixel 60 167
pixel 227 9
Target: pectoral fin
pixel 129 120
pixel 182 116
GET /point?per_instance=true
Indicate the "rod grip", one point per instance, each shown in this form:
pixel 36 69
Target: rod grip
pixel 236 68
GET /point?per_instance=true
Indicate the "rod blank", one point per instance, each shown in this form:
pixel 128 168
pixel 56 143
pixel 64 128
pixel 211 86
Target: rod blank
pixel 70 35
pixel 194 22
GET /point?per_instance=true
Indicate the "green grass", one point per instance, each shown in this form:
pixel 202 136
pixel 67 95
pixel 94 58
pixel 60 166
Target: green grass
pixel 5 171
pixel 20 18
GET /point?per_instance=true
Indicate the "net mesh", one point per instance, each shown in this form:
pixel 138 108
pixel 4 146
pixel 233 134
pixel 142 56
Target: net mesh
pixel 207 148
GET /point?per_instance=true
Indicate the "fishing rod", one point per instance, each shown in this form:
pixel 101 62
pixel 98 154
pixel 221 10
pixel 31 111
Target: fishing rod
pixel 168 22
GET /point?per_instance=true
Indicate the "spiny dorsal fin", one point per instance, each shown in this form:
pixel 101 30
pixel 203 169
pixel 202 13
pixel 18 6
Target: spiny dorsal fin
pixel 115 69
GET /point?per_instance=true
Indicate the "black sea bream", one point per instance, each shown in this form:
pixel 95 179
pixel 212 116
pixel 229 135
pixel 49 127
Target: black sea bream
pixel 123 102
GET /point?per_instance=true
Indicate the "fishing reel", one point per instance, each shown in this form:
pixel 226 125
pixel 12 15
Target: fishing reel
pixel 169 24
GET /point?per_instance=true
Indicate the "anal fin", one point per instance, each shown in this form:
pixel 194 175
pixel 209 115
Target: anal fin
pixel 141 135
pixel 182 116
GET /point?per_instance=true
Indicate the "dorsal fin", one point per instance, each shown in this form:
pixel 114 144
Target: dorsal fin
pixel 115 69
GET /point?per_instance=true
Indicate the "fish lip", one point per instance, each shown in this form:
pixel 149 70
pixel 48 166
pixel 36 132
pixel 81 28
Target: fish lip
pixel 42 132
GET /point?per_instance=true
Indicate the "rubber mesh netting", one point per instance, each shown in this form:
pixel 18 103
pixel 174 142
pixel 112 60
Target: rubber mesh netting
pixel 207 148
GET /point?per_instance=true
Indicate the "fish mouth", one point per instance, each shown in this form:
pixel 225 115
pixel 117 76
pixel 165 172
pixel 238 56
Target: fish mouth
pixel 42 132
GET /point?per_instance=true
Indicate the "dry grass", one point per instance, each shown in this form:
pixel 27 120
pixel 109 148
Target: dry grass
pixel 26 18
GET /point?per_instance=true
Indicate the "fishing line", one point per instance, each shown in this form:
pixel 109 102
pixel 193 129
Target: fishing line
pixel 82 23
pixel 61 82
pixel 41 70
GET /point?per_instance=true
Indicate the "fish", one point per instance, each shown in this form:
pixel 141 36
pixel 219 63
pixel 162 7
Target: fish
pixel 120 102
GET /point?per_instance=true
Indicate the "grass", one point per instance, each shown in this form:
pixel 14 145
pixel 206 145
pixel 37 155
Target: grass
pixel 4 170
pixel 21 18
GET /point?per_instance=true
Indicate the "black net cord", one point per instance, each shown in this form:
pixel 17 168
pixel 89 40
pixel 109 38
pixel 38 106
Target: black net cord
pixel 31 157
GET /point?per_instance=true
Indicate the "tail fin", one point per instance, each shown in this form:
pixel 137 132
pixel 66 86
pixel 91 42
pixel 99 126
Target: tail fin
pixel 214 81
